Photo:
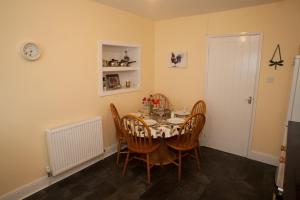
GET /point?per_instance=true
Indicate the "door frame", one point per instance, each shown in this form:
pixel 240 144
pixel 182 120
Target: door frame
pixel 256 84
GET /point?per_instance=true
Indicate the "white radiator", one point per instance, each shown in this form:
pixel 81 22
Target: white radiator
pixel 74 144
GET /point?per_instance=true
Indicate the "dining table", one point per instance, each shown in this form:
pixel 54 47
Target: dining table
pixel 163 127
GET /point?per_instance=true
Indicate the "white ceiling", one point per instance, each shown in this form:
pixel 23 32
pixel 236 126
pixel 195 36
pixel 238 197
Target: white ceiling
pixel 165 9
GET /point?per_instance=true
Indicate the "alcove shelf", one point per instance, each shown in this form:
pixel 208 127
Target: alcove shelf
pixel 116 50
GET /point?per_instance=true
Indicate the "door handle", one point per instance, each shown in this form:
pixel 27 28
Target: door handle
pixel 250 99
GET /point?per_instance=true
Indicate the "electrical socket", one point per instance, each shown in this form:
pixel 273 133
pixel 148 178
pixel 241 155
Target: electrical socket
pixel 270 79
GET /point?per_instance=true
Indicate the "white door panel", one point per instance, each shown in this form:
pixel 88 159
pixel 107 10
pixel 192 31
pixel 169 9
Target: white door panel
pixel 231 76
pixel 296 102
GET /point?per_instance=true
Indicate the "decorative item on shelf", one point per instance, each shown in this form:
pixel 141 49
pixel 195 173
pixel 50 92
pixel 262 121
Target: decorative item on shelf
pixel 126 60
pixel 117 63
pixel 113 81
pixel 104 83
pixel 279 61
pixel 150 103
pixel 122 63
pixel 126 57
pixel 128 84
pixel 126 63
pixel 105 63
pixel 177 59
pixel 113 63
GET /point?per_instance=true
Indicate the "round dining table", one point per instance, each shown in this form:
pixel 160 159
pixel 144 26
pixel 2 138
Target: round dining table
pixel 162 130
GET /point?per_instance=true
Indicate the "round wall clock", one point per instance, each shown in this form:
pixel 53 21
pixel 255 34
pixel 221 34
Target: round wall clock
pixel 30 51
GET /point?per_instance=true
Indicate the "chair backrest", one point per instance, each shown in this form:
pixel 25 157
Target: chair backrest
pixel 199 107
pixel 190 130
pixel 117 121
pixel 163 100
pixel 137 133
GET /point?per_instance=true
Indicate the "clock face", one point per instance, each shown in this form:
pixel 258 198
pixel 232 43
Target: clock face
pixel 30 51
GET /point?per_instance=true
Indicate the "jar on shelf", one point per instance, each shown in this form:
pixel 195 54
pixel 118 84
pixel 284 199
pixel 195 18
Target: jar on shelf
pixel 128 84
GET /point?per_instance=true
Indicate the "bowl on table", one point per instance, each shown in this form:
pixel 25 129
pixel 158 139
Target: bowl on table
pixel 182 113
pixel 176 120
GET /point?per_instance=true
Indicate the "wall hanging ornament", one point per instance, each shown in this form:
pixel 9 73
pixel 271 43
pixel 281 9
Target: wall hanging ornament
pixel 178 59
pixel 279 61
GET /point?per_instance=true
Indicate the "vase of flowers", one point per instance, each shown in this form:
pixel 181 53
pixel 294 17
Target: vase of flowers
pixel 150 103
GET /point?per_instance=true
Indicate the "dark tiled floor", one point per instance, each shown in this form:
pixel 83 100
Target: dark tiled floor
pixel 222 177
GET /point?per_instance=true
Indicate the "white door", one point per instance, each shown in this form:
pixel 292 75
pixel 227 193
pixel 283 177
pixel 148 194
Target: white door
pixel 295 110
pixel 233 62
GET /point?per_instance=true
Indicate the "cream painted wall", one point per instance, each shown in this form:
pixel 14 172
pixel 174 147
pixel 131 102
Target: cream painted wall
pixel 279 23
pixel 61 87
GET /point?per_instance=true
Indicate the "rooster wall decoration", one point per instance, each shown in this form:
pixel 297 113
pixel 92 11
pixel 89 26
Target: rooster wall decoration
pixel 178 59
pixel 278 62
pixel 175 59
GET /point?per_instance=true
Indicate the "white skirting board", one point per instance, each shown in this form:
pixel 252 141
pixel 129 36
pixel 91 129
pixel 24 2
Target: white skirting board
pixel 43 182
pixel 264 158
pixel 258 156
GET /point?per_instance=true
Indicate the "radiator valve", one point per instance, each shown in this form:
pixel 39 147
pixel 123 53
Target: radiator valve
pixel 48 170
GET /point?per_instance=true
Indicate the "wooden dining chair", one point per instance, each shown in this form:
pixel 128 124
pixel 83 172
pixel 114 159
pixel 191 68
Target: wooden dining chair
pixel 119 131
pixel 187 139
pixel 199 107
pixel 139 140
pixel 164 101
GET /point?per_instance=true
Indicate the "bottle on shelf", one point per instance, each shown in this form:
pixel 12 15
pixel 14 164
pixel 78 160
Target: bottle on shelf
pixel 104 84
